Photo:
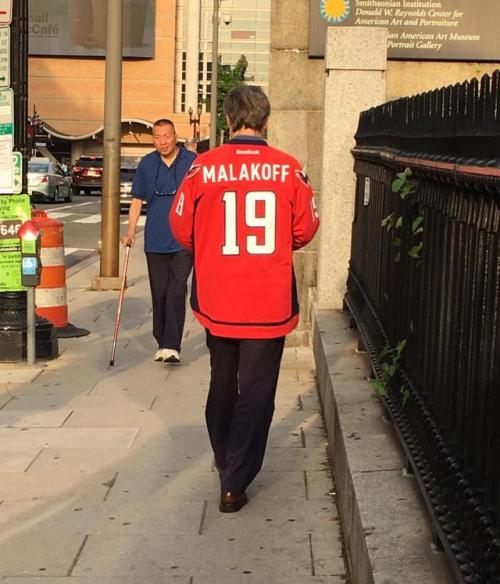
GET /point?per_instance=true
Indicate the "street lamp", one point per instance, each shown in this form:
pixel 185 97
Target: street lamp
pixel 195 121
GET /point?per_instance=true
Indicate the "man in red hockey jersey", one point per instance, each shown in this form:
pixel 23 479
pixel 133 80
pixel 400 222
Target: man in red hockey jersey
pixel 242 209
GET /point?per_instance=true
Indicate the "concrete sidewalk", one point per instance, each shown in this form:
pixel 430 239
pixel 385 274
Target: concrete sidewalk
pixel 106 475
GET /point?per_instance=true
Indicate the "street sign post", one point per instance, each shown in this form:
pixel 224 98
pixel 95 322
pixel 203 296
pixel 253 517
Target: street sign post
pixel 6 140
pixel 4 57
pixel 17 175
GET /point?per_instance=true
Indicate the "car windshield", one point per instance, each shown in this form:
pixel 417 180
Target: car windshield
pixel 38 167
pixel 89 162
pixel 127 174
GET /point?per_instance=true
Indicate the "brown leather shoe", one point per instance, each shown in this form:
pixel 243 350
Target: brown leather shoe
pixel 231 502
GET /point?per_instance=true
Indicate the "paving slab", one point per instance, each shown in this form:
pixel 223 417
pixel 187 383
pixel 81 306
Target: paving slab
pixel 173 412
pixel 292 485
pixel 191 483
pixel 90 460
pixel 5 396
pixel 201 485
pixel 249 579
pixel 124 416
pixel 294 417
pixel 50 553
pixel 17 458
pixel 156 516
pixel 103 579
pixel 33 486
pixel 81 461
pixel 45 399
pixel 264 515
pixel 130 385
pixel 69 437
pixel 276 560
pixel 19 373
pixel 11 418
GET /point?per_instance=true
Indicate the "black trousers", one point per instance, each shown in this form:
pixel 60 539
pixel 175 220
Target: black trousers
pixel 240 404
pixel 168 275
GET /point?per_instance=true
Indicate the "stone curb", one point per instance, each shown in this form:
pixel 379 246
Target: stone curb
pixel 386 527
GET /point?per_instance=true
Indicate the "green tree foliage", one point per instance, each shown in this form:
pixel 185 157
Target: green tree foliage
pixel 228 77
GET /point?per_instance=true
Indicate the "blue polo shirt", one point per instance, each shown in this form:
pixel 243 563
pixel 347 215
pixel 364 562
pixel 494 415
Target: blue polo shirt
pixel 157 183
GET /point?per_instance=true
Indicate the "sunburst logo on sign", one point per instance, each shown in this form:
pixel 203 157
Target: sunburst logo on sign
pixel 335 11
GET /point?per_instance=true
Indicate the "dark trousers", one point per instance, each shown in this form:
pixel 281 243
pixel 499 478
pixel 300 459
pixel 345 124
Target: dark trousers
pixel 240 404
pixel 168 274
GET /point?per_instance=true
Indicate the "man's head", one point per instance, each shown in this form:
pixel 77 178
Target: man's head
pixel 247 107
pixel 164 137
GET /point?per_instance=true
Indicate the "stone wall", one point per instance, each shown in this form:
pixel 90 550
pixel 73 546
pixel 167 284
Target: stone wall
pixel 296 90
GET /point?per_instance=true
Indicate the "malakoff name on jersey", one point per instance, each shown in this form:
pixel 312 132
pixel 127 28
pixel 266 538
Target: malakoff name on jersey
pixel 255 171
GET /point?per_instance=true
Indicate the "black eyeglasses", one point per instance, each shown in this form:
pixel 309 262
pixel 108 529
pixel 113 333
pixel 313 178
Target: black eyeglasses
pixel 171 193
pixel 162 194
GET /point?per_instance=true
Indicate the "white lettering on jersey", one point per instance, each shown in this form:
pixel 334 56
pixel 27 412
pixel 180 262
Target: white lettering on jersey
pixel 208 174
pixel 255 171
pixel 267 223
pixel 180 205
pixel 244 172
pixel 222 174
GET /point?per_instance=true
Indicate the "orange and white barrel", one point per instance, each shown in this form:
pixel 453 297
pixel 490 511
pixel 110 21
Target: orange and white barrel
pixel 50 295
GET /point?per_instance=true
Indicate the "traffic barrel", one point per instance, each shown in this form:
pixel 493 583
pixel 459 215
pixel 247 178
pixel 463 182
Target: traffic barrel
pixel 50 295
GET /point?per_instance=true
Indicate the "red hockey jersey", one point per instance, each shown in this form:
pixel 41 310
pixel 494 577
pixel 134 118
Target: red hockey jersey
pixel 241 209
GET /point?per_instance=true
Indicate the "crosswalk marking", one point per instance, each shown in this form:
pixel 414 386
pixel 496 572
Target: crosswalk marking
pixel 90 219
pixel 56 215
pixel 70 206
pixel 70 250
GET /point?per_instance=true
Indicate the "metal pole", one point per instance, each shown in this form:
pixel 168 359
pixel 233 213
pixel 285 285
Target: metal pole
pixel 193 54
pixel 30 326
pixel 215 63
pixel 110 225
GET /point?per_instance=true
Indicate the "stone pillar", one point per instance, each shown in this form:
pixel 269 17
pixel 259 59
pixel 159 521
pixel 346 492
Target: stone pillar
pixel 355 62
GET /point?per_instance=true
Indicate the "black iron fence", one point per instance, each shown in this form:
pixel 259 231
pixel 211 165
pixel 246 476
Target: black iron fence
pixel 424 289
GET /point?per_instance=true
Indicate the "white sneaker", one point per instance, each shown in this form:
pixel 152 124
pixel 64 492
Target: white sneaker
pixel 171 356
pixel 160 354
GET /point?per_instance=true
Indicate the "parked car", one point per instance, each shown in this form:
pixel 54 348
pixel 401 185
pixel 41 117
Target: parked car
pixel 126 179
pixel 48 181
pixel 87 175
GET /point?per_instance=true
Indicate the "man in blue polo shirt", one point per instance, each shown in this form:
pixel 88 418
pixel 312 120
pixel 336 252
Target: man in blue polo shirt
pixel 156 181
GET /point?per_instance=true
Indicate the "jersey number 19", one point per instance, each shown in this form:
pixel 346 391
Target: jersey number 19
pixel 267 222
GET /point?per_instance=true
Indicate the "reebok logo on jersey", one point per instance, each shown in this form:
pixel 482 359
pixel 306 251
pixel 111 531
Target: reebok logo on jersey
pixel 255 171
pixel 243 152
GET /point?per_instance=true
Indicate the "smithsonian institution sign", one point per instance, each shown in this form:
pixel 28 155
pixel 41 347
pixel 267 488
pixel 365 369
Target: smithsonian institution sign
pixel 459 30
